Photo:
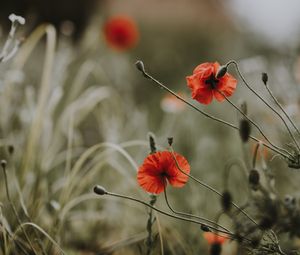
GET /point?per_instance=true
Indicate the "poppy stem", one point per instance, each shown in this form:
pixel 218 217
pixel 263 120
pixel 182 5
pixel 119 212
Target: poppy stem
pixel 282 109
pixel 253 123
pixel 210 188
pixel 192 215
pixel 170 215
pixel 267 104
pixel 255 155
pixel 228 169
pixel 140 67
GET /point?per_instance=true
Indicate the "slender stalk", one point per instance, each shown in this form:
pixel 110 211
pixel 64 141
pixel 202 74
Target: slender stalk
pixel 210 188
pixel 282 109
pixel 255 155
pixel 192 215
pixel 253 123
pixel 171 215
pixel 267 104
pixel 162 86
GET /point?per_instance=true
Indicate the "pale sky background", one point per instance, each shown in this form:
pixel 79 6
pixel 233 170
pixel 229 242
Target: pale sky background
pixel 277 21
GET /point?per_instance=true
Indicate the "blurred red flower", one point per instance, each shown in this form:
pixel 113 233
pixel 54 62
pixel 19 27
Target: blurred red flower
pixel 205 85
pixel 213 238
pixel 121 32
pixel 160 167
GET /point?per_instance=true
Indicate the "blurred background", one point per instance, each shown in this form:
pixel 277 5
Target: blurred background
pixel 96 96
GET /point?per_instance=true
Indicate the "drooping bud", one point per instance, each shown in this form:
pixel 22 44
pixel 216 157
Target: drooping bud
pixel 245 129
pixel 170 141
pixel 140 66
pixel 264 78
pixel 226 201
pixel 205 228
pixel 221 72
pixel 99 190
pixel 254 178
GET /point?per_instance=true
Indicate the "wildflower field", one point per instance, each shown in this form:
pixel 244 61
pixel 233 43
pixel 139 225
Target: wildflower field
pixel 161 127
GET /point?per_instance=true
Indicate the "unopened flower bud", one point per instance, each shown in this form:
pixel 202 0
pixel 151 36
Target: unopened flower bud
pixel 140 66
pixel 3 163
pixel 10 149
pixel 254 177
pixel 264 78
pixel 221 72
pixel 205 228
pixel 152 143
pixel 226 201
pixel 99 190
pixel 170 141
pixel 245 129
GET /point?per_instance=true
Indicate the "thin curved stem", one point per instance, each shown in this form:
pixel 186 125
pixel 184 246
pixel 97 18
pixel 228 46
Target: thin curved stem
pixel 171 215
pixel 228 169
pixel 191 215
pixel 210 188
pixel 282 109
pixel 253 123
pixel 162 86
pixel 266 103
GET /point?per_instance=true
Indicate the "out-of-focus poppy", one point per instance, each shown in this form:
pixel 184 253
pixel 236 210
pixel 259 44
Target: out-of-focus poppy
pixel 121 32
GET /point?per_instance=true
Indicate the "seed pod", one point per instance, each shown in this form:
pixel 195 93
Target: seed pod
pixel 170 141
pixel 226 201
pixel 254 177
pixel 245 129
pixel 221 72
pixel 215 249
pixel 99 190
pixel 266 222
pixel 10 149
pixel 264 78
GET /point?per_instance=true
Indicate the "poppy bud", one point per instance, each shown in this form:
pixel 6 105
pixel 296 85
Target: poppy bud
pixel 204 228
pixel 221 72
pixel 140 66
pixel 99 190
pixel 226 201
pixel 254 177
pixel 152 143
pixel 264 78
pixel 255 241
pixel 215 249
pixel 3 163
pixel 170 141
pixel 11 149
pixel 245 129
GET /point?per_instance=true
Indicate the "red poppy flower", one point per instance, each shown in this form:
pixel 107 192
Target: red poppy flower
pixel 121 32
pixel 160 167
pixel 205 85
pixel 213 238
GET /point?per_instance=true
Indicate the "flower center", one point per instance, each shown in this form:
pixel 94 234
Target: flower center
pixel 212 81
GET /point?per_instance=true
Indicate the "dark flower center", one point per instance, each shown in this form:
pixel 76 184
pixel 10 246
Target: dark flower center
pixel 212 81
